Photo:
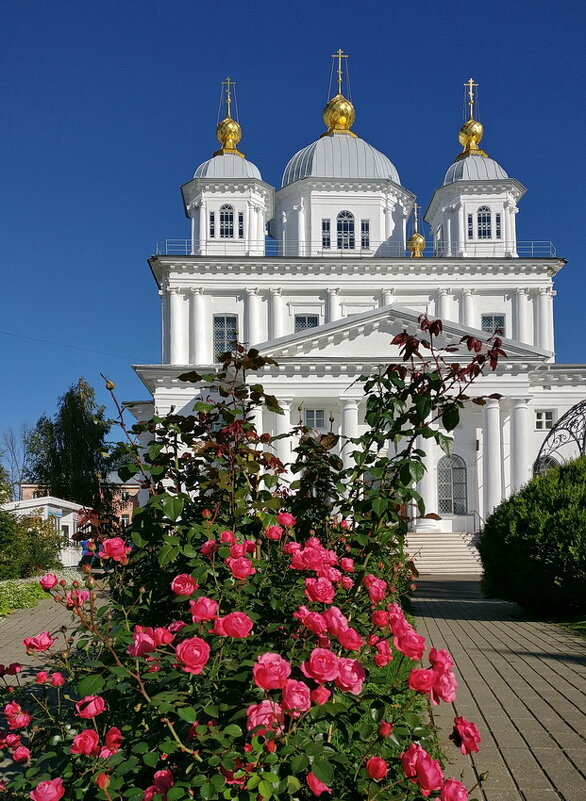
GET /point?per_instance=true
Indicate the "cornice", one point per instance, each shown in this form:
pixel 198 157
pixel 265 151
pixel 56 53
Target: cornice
pixel 305 185
pixel 452 192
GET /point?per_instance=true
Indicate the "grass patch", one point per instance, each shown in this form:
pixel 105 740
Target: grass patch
pixel 19 595
pixel 574 626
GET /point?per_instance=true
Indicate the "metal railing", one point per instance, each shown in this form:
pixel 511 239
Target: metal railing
pixel 271 248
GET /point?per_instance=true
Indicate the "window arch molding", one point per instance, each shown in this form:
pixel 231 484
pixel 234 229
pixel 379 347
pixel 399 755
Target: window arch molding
pixel 226 221
pixel 345 229
pixel 452 485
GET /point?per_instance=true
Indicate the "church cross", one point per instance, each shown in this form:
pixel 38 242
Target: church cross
pixel 416 208
pixel 471 85
pixel 340 55
pixel 228 83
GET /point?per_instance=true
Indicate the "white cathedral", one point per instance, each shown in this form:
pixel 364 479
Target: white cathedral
pixel 320 275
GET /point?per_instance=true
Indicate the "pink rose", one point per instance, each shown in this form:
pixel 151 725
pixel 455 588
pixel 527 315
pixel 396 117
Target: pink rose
pixel 10 741
pixel 286 519
pixel 274 533
pixel 346 582
pixel 162 635
pixel 51 790
pixel 209 547
pixel 291 547
pixel 444 687
pixel 311 620
pixel 57 680
pixel 48 581
pixel 16 716
pixel 351 675
pixel 142 643
pixel 112 742
pixel 90 706
pixel 240 568
pixel 319 590
pixel 347 564
pixel 267 715
pixel 86 742
pixel 321 666
pixel 465 736
pixel 296 697
pixel 271 671
pixel 330 573
pixel 335 620
pixel 21 754
pixel 163 780
pixel 227 537
pixel 453 790
pixel 42 676
pixel 385 729
pixel 203 609
pixel 116 549
pixel 421 769
pixel 314 784
pixel 194 654
pixel 411 644
pixel 380 618
pixel 399 624
pixel 376 768
pixel 176 625
pixel 351 639
pixel 421 680
pixel 184 584
pixel 383 655
pixel 440 660
pixel 321 695
pixel 41 642
pixel 238 550
pixel 376 588
pixel 235 624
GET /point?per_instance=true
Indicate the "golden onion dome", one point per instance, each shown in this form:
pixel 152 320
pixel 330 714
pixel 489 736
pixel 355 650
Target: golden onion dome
pixel 416 245
pixel 339 115
pixel 229 133
pixel 469 136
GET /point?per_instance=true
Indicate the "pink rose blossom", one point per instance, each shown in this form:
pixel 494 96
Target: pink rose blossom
pixel 227 537
pixel 314 784
pixel 76 598
pixel 273 532
pixel 184 584
pixel 335 620
pixel 296 697
pixel 321 666
pixel 351 676
pixel 235 624
pixel 453 790
pixel 16 716
pixel 203 609
pixel 286 519
pixel 271 671
pixel 313 621
pixel 194 654
pixel 421 769
pixel 209 547
pixel 444 687
pixel 385 729
pixel 410 643
pixel 48 581
pixel 351 639
pixel 112 742
pixel 86 742
pixel 115 548
pixel 321 695
pixel 376 588
pixel 380 618
pixel 10 741
pixel 161 635
pixel 41 642
pixel 90 706
pixel 421 680
pixel 330 573
pixel 238 550
pixel 346 582
pixel 440 660
pixel 41 677
pixel 347 564
pixel 241 568
pixel 21 754
pixel 291 547
pixel 319 590
pixel 465 736
pixel 57 679
pixel 267 715
pixel 142 643
pixel 51 790
pixel 383 655
pixel 176 626
pixel 376 768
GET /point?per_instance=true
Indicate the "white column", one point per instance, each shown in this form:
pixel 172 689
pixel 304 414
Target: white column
pixel 283 426
pixel 301 228
pixel 461 248
pixel 507 230
pixel 179 328
pixel 202 228
pixel 164 326
pixel 448 244
pixel 467 308
pixel 256 416
pixel 520 467
pixel 492 456
pixel 442 304
pixel 198 352
pixel 252 312
pixel 276 314
pixel 193 248
pixel 260 234
pixel 388 297
pixel 521 332
pixel 544 319
pixel 283 233
pixel 550 336
pixel 349 429
pixel 427 486
pixel 249 232
pixel 333 305
pixel 388 221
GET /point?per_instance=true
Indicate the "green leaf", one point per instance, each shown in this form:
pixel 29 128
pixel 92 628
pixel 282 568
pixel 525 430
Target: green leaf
pixel 187 713
pixel 293 784
pixel 232 730
pixel 377 711
pixel 451 418
pixel 379 505
pixel 299 763
pixel 265 788
pixel 323 770
pixel 90 685
pixel 151 759
pixel 172 506
pixel 167 553
pixel 138 540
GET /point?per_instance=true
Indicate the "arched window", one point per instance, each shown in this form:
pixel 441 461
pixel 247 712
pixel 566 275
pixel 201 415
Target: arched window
pixel 345 228
pixel 226 221
pixel 484 223
pixel 451 486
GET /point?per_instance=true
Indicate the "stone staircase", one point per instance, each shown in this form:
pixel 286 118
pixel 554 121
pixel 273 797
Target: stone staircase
pixel 436 553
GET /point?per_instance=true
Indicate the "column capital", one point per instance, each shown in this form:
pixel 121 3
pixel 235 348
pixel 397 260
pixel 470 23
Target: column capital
pixel 466 292
pixel 519 402
pixel 334 291
pixel 350 403
pixel 521 290
pixel 284 216
pixel 276 290
pixel 493 403
pixel 443 291
pixel 160 292
pixel 174 290
pixel 251 290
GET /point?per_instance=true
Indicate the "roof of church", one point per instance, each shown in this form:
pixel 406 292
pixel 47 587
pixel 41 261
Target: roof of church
pixel 475 168
pixel 340 155
pixel 227 166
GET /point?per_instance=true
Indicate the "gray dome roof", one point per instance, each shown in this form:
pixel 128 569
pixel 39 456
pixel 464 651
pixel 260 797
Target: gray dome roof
pixel 475 168
pixel 340 156
pixel 227 166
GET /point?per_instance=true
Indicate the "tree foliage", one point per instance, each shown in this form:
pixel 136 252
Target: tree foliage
pixel 29 546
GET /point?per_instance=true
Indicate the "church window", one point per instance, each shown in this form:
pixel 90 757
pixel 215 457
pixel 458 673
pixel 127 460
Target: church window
pixel 315 418
pixel 225 333
pixel 345 230
pixel 326 237
pixel 451 486
pixel 497 225
pixel 305 321
pixel 212 224
pixel 240 225
pixel 493 324
pixel 484 223
pixel 365 234
pixel 543 419
pixel 470 227
pixel 226 221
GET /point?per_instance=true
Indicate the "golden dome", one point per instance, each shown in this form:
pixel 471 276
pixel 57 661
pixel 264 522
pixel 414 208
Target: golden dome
pixel 339 115
pixel 416 245
pixel 469 136
pixel 229 133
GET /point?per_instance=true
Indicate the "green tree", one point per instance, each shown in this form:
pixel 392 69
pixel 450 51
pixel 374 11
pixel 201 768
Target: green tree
pixel 68 454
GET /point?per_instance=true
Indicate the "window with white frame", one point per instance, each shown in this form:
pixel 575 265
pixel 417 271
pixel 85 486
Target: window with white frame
pixel 365 234
pixel 226 221
pixel 452 486
pixel 225 333
pixel 124 521
pixel 497 225
pixel 326 235
pixel 212 224
pixel 470 227
pixel 345 230
pixel 315 418
pixel 240 225
pixel 493 324
pixel 544 419
pixel 484 223
pixel 304 321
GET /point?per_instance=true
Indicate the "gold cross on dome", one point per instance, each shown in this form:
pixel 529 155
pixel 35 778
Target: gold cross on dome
pixel 471 86
pixel 340 55
pixel 228 83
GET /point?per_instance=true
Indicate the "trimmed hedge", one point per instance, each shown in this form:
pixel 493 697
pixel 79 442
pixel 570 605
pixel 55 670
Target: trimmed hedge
pixel 533 547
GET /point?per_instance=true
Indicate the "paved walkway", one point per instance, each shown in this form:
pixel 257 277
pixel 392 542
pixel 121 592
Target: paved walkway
pixel 524 685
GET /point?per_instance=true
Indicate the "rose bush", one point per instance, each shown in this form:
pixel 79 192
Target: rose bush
pixel 249 642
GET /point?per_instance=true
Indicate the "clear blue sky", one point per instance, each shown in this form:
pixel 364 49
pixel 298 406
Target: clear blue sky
pixel 110 105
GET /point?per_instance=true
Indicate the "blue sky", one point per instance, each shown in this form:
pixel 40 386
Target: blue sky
pixel 110 105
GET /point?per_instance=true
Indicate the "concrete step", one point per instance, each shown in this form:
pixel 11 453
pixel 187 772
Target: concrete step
pixel 437 554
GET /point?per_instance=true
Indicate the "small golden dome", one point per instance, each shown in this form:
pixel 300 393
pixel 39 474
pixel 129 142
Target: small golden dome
pixel 416 245
pixel 339 115
pixel 469 136
pixel 229 133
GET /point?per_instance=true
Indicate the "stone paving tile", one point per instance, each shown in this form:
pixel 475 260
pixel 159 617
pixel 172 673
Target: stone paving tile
pixel 522 681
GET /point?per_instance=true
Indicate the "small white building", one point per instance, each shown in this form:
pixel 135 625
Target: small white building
pixel 318 274
pixel 63 515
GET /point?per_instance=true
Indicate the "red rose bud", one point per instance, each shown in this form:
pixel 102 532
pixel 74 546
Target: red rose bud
pixel 385 729
pixel 376 768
